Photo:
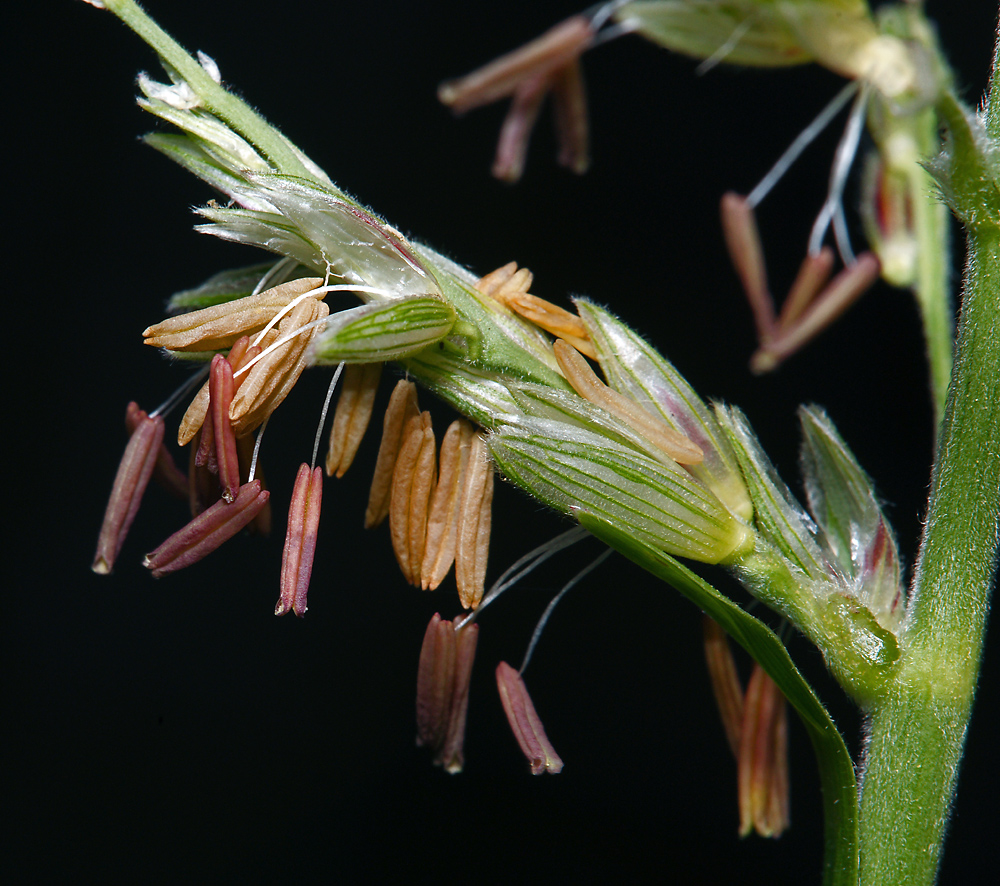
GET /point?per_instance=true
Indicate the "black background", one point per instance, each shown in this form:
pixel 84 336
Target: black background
pixel 160 731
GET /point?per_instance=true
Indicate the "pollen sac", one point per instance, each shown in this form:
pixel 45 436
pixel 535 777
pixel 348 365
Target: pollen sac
pixel 165 473
pixel 221 389
pixel 475 508
pixel 509 286
pixel 354 411
pixel 300 541
pixel 381 331
pixel 742 236
pixel 527 75
pixel 134 471
pixel 845 289
pixel 274 375
pixel 525 723
pixel 218 327
pixel 725 681
pixel 207 531
pixel 756 729
pixel 505 280
pixel 402 407
pixel 762 759
pixel 413 480
pixel 443 677
pixel 442 520
pixel 241 354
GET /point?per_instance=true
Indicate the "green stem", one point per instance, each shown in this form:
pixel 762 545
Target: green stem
pixel 240 116
pixel 918 726
pixel 931 289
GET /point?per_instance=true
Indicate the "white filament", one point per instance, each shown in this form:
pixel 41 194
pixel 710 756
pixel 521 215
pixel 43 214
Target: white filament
pixel 832 207
pixel 597 561
pixel 526 564
pixel 256 449
pixel 322 415
pixel 180 392
pixel 802 141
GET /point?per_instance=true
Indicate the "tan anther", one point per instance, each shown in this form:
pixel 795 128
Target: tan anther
pixel 763 759
pixel 413 480
pixel 442 521
pixel 217 327
pixel 271 378
pixel 505 281
pixel 492 281
pixel 354 411
pixel 519 281
pixel 586 383
pixel 402 407
pixel 510 286
pixel 472 543
pixel 483 539
pixel 725 681
pixel 553 319
pixel 194 417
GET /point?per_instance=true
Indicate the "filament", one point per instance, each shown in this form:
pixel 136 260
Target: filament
pixel 526 564
pixel 720 54
pixel 167 405
pixel 256 449
pixel 842 161
pixel 278 269
pixel 597 561
pixel 802 141
pixel 600 13
pixel 287 338
pixel 322 415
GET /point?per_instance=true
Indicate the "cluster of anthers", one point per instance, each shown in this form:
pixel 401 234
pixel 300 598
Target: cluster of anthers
pixel 437 500
pixel 640 451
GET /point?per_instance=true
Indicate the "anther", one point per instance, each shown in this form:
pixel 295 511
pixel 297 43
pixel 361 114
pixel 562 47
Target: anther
pixel 586 383
pixel 218 327
pixel 413 480
pixel 353 413
pixel 133 475
pixel 207 531
pixel 442 519
pixel 402 407
pixel 474 524
pixel 525 723
pixel 300 541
